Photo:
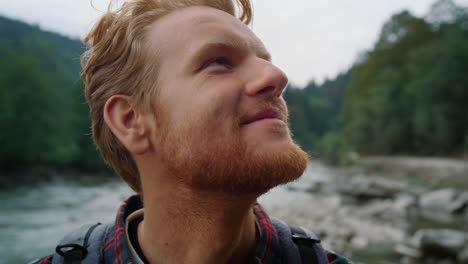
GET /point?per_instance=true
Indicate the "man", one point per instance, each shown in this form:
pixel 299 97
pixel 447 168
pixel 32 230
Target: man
pixel 186 106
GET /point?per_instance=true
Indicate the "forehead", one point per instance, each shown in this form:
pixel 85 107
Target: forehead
pixel 184 31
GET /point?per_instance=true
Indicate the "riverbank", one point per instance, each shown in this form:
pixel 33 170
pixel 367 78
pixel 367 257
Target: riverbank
pixel 433 173
pixel 385 209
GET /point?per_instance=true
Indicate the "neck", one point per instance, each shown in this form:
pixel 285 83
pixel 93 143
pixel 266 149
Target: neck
pixel 182 225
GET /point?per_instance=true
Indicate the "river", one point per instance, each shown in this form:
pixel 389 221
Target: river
pixel 34 219
pixel 325 199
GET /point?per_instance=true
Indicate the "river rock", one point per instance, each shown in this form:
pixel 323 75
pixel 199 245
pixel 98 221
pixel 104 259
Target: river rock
pixel 439 205
pixel 365 188
pixel 410 247
pixel 460 204
pixel 408 251
pixel 392 211
pixel 441 242
pixel 439 200
pixel 404 202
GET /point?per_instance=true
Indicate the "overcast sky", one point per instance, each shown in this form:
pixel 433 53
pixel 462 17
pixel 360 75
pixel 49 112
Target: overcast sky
pixel 309 39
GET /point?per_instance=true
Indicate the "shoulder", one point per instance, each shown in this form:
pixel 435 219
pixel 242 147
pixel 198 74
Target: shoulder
pixel 336 258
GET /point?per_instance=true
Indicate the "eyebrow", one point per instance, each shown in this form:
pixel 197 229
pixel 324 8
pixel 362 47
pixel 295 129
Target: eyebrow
pixel 230 45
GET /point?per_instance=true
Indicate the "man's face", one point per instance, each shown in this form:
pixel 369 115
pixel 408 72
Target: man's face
pixel 221 120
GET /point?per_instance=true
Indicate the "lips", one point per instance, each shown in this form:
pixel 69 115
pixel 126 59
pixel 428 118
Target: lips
pixel 269 113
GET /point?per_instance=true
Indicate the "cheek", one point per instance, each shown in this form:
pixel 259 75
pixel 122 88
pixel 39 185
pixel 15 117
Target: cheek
pixel 223 110
pixel 225 100
pixel 211 106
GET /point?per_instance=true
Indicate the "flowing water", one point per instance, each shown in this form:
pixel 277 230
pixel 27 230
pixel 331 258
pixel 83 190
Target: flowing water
pixel 34 219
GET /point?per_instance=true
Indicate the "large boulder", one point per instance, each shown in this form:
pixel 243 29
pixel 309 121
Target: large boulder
pixel 442 242
pixel 439 200
pixel 435 246
pixel 444 205
pixel 438 205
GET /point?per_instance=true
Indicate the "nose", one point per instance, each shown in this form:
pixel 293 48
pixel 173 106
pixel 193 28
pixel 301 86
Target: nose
pixel 265 79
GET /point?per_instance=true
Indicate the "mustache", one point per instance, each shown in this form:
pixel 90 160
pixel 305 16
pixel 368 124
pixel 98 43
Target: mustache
pixel 268 103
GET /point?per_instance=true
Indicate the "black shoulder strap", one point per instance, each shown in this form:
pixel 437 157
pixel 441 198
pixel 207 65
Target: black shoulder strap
pixel 82 246
pixel 299 244
pixel 307 245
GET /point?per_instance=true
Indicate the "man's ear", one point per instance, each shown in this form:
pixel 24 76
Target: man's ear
pixel 127 124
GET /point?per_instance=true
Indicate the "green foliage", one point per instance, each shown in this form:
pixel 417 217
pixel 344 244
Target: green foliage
pixel 24 112
pixel 314 110
pixel 440 92
pixel 43 118
pixel 334 149
pixel 405 96
pixel 409 94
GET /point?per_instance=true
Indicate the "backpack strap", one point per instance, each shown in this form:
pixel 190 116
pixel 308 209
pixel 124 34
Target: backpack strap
pixel 299 245
pixel 82 246
pixel 309 245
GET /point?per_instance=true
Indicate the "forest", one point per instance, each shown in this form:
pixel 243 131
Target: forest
pixel 406 96
pixel 43 114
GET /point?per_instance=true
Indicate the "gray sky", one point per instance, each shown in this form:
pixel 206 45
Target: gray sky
pixel 309 39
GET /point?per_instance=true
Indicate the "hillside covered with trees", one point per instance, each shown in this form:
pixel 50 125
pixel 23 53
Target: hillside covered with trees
pixel 43 115
pixel 408 95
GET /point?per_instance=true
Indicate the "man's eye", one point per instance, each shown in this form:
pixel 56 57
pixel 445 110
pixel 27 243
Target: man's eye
pixel 218 62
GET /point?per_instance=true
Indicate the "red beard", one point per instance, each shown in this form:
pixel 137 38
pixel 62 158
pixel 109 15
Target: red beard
pixel 224 162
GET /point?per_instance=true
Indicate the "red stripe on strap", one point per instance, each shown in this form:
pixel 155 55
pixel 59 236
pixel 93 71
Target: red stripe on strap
pixel 46 260
pixel 329 257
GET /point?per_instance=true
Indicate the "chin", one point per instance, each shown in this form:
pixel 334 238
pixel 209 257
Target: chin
pixel 236 164
pixel 269 166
